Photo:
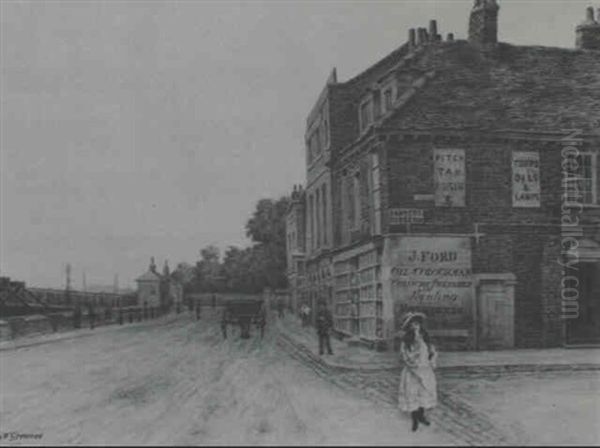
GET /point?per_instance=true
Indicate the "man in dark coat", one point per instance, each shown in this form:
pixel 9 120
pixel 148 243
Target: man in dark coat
pixel 324 324
pixel 261 320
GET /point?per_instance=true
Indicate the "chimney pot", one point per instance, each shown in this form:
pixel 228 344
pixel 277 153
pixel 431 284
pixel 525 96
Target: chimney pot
pixel 412 37
pixel 433 29
pixel 421 36
pixel 590 14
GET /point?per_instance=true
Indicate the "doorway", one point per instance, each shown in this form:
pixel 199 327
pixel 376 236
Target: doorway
pixel 584 327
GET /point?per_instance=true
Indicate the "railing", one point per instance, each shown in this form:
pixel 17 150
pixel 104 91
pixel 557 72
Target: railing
pixel 15 327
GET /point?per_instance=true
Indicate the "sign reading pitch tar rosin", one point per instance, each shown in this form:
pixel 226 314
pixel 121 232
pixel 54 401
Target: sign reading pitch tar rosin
pixel 449 177
pixel 432 275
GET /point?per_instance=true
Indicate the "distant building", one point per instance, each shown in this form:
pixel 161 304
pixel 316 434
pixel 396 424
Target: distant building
pixel 159 290
pixel 460 178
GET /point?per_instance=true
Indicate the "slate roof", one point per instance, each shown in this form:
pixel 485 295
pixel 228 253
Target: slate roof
pixel 149 276
pixel 509 87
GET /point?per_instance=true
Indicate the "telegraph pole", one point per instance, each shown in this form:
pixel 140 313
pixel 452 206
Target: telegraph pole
pixel 68 284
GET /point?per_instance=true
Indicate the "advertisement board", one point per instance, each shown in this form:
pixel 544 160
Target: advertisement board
pixel 526 179
pixel 432 275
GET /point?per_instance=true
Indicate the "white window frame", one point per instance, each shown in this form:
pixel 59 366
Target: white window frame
pixel 392 87
pixel 369 103
pixel 375 189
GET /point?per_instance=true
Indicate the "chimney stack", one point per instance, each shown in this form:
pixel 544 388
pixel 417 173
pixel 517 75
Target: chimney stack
pixel 588 32
pixel 483 23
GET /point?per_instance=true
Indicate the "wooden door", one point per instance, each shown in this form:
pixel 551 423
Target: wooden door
pixel 495 315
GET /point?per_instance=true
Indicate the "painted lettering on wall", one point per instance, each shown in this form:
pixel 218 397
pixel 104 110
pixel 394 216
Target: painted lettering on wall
pixel 449 177
pixel 432 275
pixel 526 179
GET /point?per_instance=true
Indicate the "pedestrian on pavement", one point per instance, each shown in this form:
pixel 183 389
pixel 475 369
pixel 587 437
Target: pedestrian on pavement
pixel 324 325
pixel 261 320
pixel 418 387
pixel 305 314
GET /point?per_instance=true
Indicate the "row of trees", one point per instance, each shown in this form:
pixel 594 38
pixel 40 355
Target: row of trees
pixel 249 269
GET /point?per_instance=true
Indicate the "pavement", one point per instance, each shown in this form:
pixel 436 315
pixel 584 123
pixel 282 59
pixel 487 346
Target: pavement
pixel 352 357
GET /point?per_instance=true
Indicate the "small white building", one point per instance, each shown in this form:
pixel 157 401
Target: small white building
pixel 156 290
pixel 149 287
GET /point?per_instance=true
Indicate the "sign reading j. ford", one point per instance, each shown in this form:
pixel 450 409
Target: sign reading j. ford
pixel 432 275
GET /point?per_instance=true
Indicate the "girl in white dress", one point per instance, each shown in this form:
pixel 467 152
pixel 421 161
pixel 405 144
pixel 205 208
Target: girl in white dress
pixel 418 388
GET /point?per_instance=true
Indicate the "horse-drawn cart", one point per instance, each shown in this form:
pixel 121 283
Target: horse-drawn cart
pixel 244 312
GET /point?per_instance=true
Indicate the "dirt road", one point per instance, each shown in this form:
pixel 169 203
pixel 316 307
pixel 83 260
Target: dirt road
pixel 180 383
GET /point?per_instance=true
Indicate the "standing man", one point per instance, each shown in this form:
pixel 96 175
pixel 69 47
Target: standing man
pixel 305 312
pixel 324 325
pixel 261 320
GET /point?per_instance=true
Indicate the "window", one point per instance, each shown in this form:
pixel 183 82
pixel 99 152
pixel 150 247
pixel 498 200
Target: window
pixel 318 218
pixel 356 194
pixel 376 195
pixel 324 198
pixel 365 117
pixel 350 202
pixel 587 173
pixel 310 221
pixel 325 134
pixel 387 99
pixel 309 154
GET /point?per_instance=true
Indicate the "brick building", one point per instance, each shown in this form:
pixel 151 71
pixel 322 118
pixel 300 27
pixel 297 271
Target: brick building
pixel 460 178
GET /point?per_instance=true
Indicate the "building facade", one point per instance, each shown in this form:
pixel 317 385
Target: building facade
pixel 460 178
pixel 156 290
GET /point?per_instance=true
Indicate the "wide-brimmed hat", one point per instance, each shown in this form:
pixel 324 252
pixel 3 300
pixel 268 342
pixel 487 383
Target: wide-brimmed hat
pixel 410 316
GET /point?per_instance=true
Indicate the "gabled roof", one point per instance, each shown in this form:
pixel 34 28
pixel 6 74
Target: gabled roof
pixel 507 87
pixel 149 276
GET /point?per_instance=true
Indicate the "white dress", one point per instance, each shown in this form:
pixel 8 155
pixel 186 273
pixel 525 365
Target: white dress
pixel 418 387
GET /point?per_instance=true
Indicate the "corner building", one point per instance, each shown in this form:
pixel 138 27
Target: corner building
pixel 460 178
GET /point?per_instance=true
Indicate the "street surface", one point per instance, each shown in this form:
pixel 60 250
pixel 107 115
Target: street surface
pixel 180 383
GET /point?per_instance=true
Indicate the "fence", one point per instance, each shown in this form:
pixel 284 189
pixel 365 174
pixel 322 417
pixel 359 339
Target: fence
pixel 36 325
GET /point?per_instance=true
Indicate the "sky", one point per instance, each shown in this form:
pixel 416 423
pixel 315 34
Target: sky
pixel 132 129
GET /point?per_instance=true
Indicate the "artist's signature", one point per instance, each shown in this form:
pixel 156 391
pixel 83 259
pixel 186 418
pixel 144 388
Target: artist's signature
pixel 16 435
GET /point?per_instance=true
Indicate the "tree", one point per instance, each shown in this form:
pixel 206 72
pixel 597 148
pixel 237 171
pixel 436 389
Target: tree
pixel 266 228
pixel 251 269
pixel 208 270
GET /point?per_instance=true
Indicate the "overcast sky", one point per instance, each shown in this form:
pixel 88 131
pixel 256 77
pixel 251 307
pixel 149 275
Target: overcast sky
pixel 140 128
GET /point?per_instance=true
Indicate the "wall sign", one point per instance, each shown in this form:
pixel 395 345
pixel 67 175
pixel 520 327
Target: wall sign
pixel 449 177
pixel 432 275
pixel 526 189
pixel 406 216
